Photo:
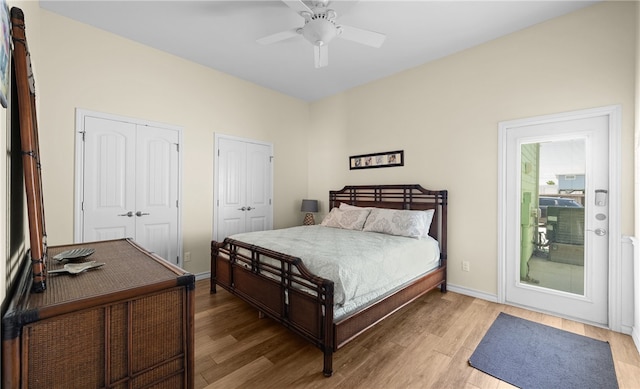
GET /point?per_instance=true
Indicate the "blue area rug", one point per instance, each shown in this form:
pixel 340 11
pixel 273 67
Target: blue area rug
pixel 535 356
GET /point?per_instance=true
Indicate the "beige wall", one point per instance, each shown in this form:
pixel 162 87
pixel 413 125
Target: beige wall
pixel 445 116
pixel 82 67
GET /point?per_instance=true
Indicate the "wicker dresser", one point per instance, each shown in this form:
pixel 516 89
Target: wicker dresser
pixel 127 324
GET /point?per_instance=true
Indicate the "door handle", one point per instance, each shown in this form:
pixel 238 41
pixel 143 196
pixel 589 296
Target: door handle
pixel 599 231
pixel 249 209
pixel 128 214
pixel 139 213
pixel 242 209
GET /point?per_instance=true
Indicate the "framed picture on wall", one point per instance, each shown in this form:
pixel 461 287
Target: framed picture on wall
pixel 376 160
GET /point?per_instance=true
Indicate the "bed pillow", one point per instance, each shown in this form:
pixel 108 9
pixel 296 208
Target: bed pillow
pixel 345 206
pixel 412 224
pixel 348 219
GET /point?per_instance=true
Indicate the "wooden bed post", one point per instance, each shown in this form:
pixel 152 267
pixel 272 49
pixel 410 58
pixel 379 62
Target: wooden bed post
pixel 214 254
pixel 327 371
pixel 329 329
pixel 443 237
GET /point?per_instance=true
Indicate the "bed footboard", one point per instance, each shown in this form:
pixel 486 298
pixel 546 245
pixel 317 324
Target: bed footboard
pixel 279 286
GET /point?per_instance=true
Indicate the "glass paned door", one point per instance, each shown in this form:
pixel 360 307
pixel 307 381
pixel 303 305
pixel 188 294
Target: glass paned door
pixel 556 241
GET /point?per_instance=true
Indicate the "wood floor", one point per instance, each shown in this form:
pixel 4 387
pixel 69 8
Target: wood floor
pixel 425 345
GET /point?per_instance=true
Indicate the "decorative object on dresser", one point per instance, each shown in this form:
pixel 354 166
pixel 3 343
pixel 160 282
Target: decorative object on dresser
pixel 282 286
pixel 310 207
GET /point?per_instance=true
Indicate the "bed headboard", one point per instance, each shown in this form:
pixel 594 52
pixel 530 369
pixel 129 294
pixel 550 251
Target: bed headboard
pixel 413 197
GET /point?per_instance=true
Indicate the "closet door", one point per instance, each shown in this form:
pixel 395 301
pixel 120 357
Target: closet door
pixel 108 204
pixel 157 190
pixel 243 187
pixel 232 187
pixel 258 187
pixel 130 185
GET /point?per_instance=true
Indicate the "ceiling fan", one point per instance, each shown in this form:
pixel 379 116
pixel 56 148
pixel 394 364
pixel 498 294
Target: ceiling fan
pixel 320 27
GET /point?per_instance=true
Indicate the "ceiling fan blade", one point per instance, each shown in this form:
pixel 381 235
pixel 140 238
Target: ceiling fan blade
pixel 366 37
pixel 278 36
pixel 321 56
pixel 298 6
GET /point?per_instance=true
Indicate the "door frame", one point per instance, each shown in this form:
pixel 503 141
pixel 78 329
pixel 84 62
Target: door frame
pixel 217 137
pixel 79 169
pixel 614 112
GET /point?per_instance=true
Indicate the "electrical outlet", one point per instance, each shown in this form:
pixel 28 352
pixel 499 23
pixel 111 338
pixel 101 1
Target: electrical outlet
pixel 187 256
pixel 465 266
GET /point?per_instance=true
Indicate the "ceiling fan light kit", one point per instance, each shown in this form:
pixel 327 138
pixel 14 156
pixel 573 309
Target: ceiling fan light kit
pixel 320 28
pixel 319 32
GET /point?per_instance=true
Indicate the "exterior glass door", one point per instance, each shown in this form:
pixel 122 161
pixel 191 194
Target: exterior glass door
pixel 556 256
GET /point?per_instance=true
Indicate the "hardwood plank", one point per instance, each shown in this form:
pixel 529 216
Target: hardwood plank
pixel 420 365
pixel 483 319
pixel 425 345
pixel 572 326
pixel 460 329
pixel 628 375
pixel 239 377
pixel 374 367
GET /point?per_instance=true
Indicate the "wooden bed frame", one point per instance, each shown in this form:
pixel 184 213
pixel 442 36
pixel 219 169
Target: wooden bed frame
pixel 281 287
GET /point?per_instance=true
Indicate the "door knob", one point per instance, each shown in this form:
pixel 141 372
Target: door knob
pixel 128 214
pixel 600 231
pixel 249 209
pixel 242 209
pixel 139 213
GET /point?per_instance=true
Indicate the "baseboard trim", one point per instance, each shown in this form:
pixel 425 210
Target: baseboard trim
pixel 472 292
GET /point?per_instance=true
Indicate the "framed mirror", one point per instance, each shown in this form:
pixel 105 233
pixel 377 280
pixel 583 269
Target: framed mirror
pixel 25 86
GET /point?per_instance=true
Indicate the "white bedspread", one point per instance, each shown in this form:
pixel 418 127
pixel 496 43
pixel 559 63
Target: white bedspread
pixel 362 265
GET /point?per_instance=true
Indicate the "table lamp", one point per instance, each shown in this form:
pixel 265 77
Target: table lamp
pixel 309 206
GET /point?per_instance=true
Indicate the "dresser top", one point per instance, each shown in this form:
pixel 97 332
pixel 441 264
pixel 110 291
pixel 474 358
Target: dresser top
pixel 128 271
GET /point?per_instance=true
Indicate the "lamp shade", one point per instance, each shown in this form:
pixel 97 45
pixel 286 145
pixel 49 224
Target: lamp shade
pixel 309 206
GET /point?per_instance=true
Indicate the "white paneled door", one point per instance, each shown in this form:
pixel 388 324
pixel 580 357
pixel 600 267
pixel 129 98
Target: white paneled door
pixel 130 184
pixel 559 233
pixel 108 201
pixel 156 209
pixel 243 201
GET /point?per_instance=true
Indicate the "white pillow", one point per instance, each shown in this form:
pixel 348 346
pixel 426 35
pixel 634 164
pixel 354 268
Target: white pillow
pixel 401 222
pixel 345 206
pixel 349 219
pixel 429 217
